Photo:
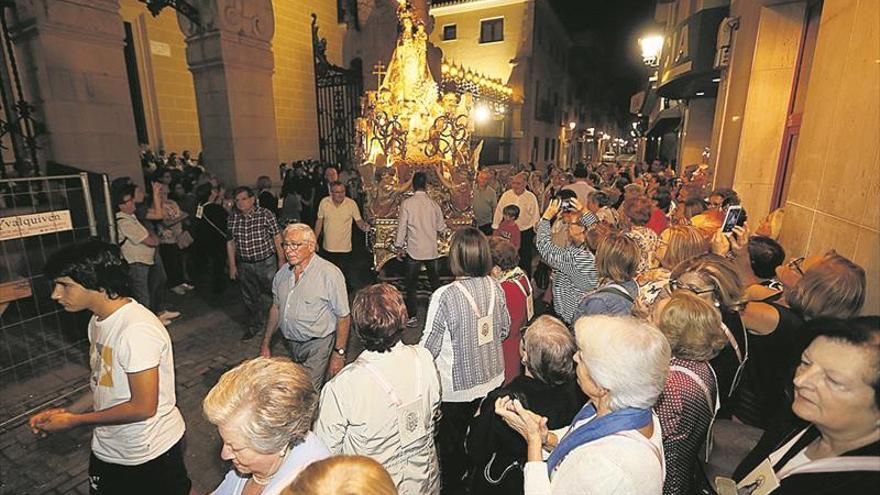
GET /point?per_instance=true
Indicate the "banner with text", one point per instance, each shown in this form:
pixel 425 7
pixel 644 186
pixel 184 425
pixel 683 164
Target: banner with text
pixel 35 224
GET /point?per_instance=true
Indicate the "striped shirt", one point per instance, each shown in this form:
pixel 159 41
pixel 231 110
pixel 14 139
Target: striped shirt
pixel 467 369
pixel 253 234
pixel 574 269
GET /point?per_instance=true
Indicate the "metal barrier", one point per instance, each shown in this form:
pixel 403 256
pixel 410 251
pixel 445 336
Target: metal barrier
pixel 38 216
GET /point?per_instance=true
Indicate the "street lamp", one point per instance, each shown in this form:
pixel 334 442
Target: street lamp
pixel 572 125
pixel 652 46
pixel 482 114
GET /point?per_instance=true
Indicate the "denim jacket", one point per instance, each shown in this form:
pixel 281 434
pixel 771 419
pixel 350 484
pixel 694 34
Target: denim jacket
pixel 607 300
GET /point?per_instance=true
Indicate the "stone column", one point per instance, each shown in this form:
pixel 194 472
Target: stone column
pixel 230 57
pixel 70 57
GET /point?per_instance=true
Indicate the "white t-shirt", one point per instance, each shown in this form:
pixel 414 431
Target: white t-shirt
pixel 337 223
pixel 131 340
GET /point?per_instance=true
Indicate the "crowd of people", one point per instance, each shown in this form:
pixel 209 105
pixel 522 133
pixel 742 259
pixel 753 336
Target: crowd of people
pixel 597 326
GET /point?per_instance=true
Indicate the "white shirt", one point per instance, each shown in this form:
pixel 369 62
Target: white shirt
pixel 621 464
pixel 420 221
pixel 358 417
pixel 131 340
pixel 337 223
pixel 529 212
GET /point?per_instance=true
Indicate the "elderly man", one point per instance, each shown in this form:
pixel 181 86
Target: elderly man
pixel 310 305
pixel 485 200
pixel 253 254
pixel 529 214
pixel 335 215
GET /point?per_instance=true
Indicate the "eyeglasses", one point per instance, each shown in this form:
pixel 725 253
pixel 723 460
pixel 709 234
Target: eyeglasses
pixel 676 285
pixel 294 245
pixel 796 264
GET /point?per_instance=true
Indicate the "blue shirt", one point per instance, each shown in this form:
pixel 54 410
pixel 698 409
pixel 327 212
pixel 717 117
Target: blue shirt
pixel 309 308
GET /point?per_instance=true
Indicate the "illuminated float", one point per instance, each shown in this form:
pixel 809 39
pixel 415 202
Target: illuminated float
pixel 408 126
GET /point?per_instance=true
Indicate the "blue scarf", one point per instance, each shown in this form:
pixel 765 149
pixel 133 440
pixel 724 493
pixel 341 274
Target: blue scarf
pixel 615 422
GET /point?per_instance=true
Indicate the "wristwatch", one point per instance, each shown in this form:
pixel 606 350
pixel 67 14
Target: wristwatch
pixel 341 352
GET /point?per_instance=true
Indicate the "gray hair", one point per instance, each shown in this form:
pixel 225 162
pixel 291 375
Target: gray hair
pixel 550 349
pixel 274 398
pixel 301 227
pixel 628 357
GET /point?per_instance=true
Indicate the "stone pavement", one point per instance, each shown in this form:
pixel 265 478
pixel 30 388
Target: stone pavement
pixel 206 343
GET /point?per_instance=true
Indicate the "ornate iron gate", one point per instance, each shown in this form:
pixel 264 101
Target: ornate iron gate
pixel 17 120
pixel 338 93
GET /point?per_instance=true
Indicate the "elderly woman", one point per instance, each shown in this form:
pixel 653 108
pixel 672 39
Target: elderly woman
pixel 714 279
pixel 689 401
pixel 361 407
pixel 519 296
pixel 343 475
pixel 574 266
pixel 467 321
pixel 497 453
pixel 616 261
pixel 263 409
pixel 824 286
pixel 677 243
pixel 837 392
pixel 614 444
pixel 638 211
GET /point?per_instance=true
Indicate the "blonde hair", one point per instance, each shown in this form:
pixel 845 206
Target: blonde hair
pixel 684 242
pixel 832 288
pixel 343 475
pixel 274 397
pixel 692 326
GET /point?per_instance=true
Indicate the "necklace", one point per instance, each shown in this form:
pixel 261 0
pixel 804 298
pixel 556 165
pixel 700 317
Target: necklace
pixel 265 481
pixel 261 481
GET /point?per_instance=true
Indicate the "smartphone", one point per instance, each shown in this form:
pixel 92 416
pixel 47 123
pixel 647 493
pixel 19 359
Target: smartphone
pixel 731 218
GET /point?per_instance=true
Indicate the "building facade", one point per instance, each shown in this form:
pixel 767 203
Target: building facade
pixel 107 76
pixel 789 115
pixel 523 44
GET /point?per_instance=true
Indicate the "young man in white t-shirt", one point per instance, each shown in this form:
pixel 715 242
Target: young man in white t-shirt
pixel 136 443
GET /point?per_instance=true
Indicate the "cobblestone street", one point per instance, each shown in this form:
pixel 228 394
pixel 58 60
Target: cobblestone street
pixel 206 343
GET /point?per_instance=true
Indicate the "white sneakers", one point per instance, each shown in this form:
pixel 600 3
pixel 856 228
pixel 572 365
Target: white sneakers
pixel 166 316
pixel 182 288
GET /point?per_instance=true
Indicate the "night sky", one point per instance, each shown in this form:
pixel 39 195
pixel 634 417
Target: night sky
pixel 607 63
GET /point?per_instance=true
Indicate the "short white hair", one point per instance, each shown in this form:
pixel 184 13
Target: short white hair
pixel 628 357
pixel 301 227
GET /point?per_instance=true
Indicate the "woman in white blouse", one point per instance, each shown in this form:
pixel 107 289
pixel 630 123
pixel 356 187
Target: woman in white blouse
pixel 614 445
pixel 383 404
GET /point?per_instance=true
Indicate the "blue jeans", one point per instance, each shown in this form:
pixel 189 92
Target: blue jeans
pixel 255 283
pixel 139 278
